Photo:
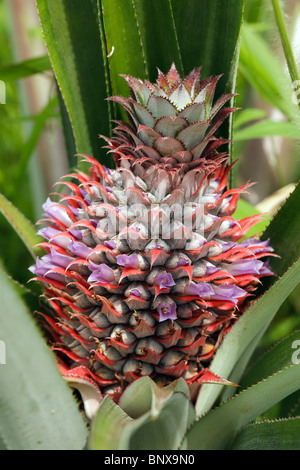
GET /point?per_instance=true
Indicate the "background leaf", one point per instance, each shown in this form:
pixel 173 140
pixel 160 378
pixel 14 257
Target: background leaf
pixel 204 45
pixel 267 127
pixel 273 360
pixel 286 45
pixel 142 32
pixel 262 70
pixel 121 36
pixel 21 225
pixel 208 23
pixel 71 31
pixel 244 116
pixel 217 429
pixel 269 435
pixel 37 129
pixel 25 68
pixel 37 411
pixel 161 49
pixel 283 232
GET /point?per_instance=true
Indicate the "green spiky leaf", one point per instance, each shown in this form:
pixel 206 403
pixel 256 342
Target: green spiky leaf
pixel 108 426
pixel 217 429
pixel 149 417
pixel 71 31
pixel 21 225
pixel 25 68
pixel 37 409
pixel 283 232
pixel 269 435
pixel 282 354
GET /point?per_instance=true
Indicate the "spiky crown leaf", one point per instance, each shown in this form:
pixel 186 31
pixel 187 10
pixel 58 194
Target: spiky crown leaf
pixel 173 123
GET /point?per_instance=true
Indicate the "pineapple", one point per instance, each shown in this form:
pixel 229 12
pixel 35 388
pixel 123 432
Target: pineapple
pixel 145 270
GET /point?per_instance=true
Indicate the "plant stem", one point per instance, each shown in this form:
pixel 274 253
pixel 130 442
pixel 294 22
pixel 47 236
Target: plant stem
pixel 278 168
pixel 286 45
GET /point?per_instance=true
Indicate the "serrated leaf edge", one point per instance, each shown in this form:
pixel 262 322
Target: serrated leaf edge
pixel 232 398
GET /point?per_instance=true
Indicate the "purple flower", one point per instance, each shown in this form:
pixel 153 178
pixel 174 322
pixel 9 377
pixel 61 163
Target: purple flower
pixel 61 238
pixel 229 292
pixel 59 260
pixel 202 289
pixel 128 261
pixel 110 244
pixel 256 242
pixel 41 266
pixel 248 266
pixel 182 262
pixel 135 292
pixel 50 261
pixel 211 270
pixel 76 233
pixel 164 280
pixel 79 249
pixel 83 193
pixel 167 311
pixel 48 232
pixel 265 269
pixel 227 246
pixel 108 171
pixel 55 211
pixel 74 210
pixel 259 245
pixel 101 273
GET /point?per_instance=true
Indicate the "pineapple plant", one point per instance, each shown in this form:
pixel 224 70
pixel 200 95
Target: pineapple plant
pixel 146 268
pixel 153 298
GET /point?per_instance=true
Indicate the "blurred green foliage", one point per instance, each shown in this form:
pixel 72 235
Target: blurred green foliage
pixel 12 141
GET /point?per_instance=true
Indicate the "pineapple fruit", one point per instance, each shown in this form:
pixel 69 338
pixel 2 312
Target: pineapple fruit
pixel 145 270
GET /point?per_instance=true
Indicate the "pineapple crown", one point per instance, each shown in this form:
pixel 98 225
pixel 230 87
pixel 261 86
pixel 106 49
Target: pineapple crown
pixel 180 92
pixel 172 123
